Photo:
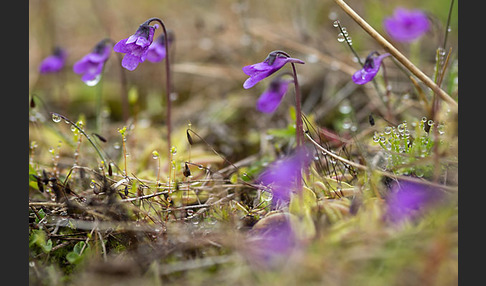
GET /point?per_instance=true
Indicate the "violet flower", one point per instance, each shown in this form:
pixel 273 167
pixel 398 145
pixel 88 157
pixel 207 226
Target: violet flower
pixel 406 25
pixel 370 68
pixel 407 200
pixel 91 65
pixel 283 176
pixel 156 51
pixel 136 46
pixel 54 62
pixel 273 241
pixel 259 71
pixel 271 98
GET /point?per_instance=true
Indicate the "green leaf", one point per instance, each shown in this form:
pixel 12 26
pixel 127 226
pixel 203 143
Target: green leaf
pixel 308 203
pixel 73 257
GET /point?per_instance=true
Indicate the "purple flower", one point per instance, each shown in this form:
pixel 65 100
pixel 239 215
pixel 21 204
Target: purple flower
pixel 272 240
pixel 259 71
pixel 370 68
pixel 406 25
pixel 407 200
pixel 156 51
pixel 54 62
pixel 271 98
pixel 136 46
pixel 283 175
pixel 91 65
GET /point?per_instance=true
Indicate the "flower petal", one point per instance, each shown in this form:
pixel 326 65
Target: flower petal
pixel 271 98
pixel 130 62
pixel 122 46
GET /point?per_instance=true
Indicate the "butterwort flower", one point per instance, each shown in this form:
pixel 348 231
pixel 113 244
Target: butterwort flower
pixel 136 46
pixel 91 65
pixel 54 62
pixel 156 51
pixel 283 175
pixel 406 25
pixel 271 98
pixel 272 240
pixel 272 63
pixel 370 68
pixel 407 200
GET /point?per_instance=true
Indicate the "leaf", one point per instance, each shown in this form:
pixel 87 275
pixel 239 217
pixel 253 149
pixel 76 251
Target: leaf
pixel 73 257
pixel 309 202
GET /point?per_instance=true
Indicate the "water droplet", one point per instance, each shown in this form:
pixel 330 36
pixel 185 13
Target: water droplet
pixel 116 145
pixel 155 155
pixel 440 129
pixel 400 128
pixel 430 122
pixel 336 23
pixel 56 118
pixel 73 128
pixel 340 37
pixel 387 130
pixel 345 108
pixel 419 172
pixel 173 150
pixel 424 119
pixel 94 81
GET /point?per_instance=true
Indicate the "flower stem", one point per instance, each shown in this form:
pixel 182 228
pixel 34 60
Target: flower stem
pixel 399 56
pixel 167 86
pixel 299 127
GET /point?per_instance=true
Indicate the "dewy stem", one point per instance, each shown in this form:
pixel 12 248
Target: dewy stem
pixel 167 87
pixel 399 56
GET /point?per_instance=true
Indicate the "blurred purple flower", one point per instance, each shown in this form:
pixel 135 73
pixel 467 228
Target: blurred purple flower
pixel 54 62
pixel 283 176
pixel 259 71
pixel 136 46
pixel 91 65
pixel 407 200
pixel 156 51
pixel 272 241
pixel 406 25
pixel 370 68
pixel 271 98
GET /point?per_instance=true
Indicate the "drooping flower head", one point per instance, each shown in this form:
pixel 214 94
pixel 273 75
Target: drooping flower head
pixel 156 51
pixel 91 65
pixel 282 176
pixel 54 62
pixel 406 25
pixel 407 200
pixel 272 63
pixel 136 46
pixel 370 68
pixel 271 98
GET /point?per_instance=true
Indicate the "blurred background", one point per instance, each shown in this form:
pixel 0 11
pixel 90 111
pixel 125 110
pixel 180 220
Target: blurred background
pixel 214 39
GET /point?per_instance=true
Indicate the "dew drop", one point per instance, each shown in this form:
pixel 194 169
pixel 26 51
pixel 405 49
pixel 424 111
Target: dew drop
pixel 430 122
pixel 56 118
pixel 387 130
pixel 94 81
pixel 336 23
pixel 340 37
pixel 155 155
